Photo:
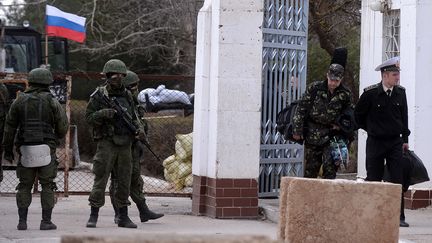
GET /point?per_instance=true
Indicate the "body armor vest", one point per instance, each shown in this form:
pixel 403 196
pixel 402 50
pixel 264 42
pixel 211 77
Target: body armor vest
pixel 36 127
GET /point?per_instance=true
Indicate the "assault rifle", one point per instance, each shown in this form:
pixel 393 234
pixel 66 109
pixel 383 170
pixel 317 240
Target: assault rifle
pixel 125 117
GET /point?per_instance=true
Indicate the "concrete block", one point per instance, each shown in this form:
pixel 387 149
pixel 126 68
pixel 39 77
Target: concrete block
pixel 314 210
pixel 160 238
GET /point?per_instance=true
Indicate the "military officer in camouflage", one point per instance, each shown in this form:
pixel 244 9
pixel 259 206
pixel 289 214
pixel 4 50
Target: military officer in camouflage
pixel 137 183
pixel 315 119
pixel 4 107
pixel 382 111
pixel 39 121
pixel 114 141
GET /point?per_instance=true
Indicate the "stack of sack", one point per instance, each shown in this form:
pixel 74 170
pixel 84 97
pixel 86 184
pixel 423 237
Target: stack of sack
pixel 178 167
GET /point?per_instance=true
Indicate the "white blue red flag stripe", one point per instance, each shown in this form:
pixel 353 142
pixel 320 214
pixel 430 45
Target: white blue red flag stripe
pixel 62 24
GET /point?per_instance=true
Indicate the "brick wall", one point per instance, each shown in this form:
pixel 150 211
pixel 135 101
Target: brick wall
pixel 415 199
pixel 225 198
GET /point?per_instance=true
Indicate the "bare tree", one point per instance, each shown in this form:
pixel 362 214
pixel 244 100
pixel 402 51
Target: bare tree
pixel 151 32
pixel 150 35
pixel 333 23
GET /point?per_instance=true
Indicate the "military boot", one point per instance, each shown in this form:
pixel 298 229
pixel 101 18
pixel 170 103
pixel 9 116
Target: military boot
pixel 124 220
pixel 146 214
pixel 91 223
pixel 46 223
pixel 22 223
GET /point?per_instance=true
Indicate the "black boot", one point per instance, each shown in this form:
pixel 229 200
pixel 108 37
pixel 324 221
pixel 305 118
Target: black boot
pixel 124 220
pixel 116 214
pixel 91 223
pixel 46 223
pixel 22 223
pixel 402 222
pixel 146 214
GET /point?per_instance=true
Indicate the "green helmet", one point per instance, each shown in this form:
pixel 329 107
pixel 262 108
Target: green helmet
pixel 131 78
pixel 114 66
pixel 40 76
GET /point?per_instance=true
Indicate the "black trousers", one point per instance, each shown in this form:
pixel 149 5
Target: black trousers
pixel 390 150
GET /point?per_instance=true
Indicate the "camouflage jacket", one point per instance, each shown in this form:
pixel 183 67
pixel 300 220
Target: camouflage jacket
pixel 112 129
pixel 318 111
pixel 39 118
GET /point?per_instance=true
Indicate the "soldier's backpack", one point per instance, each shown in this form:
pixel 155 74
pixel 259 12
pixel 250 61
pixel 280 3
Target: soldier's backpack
pixel 285 119
pixel 285 123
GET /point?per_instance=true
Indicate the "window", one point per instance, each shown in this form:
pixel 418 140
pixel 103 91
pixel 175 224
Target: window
pixel 391 34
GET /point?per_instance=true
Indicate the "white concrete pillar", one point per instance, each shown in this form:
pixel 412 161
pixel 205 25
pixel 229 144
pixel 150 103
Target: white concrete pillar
pixel 227 108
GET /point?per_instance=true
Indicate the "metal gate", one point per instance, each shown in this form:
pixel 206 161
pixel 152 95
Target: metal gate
pixel 285 30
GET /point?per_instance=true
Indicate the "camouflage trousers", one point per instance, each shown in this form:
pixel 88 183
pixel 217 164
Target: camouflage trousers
pixel 46 175
pixel 317 156
pixel 111 157
pixel 136 183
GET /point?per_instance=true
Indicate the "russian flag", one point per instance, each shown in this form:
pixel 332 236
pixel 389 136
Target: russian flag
pixel 59 23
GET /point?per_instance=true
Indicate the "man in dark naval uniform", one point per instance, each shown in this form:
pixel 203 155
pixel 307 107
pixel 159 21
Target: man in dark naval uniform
pixel 382 112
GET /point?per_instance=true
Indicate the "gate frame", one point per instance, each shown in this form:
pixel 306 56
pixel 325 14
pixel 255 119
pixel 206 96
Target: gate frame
pixel 285 31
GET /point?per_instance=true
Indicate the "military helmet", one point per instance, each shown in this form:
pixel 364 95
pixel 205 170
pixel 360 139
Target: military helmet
pixel 131 78
pixel 114 66
pixel 40 76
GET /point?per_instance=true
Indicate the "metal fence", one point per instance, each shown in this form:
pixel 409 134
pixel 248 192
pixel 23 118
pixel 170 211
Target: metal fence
pixel 285 28
pixel 168 103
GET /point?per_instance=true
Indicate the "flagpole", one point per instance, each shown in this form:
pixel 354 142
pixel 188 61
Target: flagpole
pixel 46 48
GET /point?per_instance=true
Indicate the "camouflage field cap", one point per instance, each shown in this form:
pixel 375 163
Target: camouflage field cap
pixel 40 76
pixel 337 65
pixel 336 71
pixel 391 64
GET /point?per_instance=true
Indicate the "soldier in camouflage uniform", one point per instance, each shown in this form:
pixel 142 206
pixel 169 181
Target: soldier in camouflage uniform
pixel 4 106
pixel 41 122
pixel 114 142
pixel 315 121
pixel 137 183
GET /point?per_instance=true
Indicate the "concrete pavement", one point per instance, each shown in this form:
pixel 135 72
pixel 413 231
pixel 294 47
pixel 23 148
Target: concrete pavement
pixel 71 214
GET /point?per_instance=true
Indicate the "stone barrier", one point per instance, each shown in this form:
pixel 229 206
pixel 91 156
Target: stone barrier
pixel 315 210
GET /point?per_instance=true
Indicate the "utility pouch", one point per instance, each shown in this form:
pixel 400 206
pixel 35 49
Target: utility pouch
pixel 35 155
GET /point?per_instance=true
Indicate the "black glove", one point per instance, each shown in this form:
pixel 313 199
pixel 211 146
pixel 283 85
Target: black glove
pixel 9 156
pixel 142 136
pixel 106 113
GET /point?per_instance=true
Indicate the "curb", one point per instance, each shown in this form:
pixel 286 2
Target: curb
pixel 270 213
